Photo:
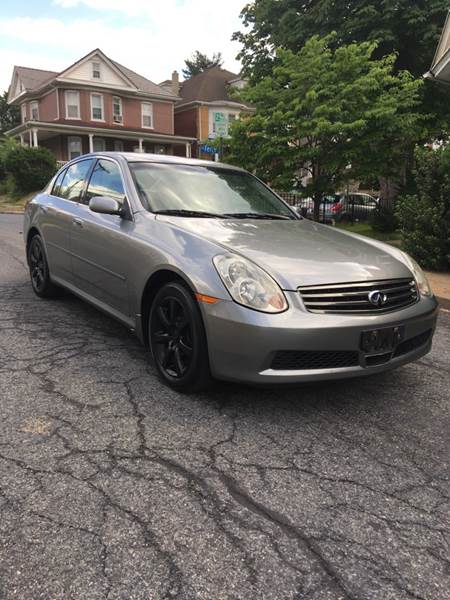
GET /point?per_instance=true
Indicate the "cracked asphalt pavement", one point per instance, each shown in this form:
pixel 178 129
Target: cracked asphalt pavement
pixel 114 487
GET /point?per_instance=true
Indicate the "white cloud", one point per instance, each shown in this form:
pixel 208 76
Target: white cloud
pixel 165 34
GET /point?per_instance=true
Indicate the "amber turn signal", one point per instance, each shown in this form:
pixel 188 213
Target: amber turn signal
pixel 206 299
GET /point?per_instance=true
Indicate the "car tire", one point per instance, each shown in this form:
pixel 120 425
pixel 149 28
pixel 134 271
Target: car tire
pixel 39 270
pixel 177 339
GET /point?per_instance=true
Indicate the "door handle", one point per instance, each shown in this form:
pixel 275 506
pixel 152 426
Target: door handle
pixel 78 223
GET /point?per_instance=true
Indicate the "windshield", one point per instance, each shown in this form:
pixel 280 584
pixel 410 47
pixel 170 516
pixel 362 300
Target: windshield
pixel 191 190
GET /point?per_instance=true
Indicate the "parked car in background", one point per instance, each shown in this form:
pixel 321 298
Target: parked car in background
pixel 340 208
pixel 220 277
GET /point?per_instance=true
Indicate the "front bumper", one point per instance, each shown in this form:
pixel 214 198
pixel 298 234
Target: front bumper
pixel 243 343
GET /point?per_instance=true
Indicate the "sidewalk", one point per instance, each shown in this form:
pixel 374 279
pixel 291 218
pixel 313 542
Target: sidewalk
pixel 440 284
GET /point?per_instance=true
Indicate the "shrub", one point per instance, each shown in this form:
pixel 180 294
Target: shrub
pixel 383 219
pixel 424 217
pixel 29 168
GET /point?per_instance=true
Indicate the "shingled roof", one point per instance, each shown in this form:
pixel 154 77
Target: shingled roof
pixel 142 83
pixel 209 86
pixel 33 78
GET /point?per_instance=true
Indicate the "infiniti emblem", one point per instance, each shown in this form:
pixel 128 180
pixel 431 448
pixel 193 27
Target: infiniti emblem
pixel 377 298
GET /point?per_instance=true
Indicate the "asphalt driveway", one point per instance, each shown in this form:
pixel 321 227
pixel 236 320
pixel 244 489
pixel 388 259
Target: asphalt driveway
pixel 113 486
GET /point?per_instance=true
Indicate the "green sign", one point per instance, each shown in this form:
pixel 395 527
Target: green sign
pixel 221 123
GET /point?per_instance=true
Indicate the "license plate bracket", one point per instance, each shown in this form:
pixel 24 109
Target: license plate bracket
pixel 381 341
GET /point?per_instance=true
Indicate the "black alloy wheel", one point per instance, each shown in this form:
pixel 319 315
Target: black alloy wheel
pixel 177 339
pixel 39 271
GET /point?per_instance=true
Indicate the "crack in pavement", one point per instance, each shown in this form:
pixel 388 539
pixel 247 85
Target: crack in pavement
pixel 113 486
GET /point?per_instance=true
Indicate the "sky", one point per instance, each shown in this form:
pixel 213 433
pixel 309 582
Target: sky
pixel 152 37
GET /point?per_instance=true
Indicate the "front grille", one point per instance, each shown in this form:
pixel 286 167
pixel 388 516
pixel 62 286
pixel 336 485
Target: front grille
pixel 302 360
pixel 412 343
pixel 354 297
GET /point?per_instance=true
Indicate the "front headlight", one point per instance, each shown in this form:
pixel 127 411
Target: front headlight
pixel 421 279
pixel 249 285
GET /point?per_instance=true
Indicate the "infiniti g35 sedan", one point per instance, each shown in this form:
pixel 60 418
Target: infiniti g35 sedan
pixel 219 277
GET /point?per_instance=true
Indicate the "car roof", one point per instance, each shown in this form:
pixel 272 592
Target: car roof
pixel 163 158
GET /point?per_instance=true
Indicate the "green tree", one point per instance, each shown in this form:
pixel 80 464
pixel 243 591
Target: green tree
pixel 9 115
pixel 322 110
pixel 424 216
pixel 199 62
pixel 410 29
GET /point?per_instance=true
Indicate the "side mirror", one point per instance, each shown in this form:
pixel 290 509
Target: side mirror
pixel 105 205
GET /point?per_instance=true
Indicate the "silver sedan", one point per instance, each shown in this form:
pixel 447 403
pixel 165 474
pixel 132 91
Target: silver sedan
pixel 219 277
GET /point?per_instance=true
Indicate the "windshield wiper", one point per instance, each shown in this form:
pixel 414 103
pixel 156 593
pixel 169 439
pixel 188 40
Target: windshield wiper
pixel 251 215
pixel 181 212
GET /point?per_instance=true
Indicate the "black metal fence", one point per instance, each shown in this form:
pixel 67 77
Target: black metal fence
pixel 341 208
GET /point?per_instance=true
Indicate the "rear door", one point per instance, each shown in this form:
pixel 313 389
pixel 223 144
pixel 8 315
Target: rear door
pixel 99 242
pixel 56 222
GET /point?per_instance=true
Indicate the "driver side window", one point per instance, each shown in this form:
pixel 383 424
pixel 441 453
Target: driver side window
pixel 106 180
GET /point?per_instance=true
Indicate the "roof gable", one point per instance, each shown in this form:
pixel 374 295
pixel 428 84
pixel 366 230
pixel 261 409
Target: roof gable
pixel 444 42
pixel 110 74
pixel 113 76
pixel 25 79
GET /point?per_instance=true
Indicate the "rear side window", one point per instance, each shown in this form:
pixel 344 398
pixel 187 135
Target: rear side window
pixel 57 184
pixel 74 180
pixel 106 180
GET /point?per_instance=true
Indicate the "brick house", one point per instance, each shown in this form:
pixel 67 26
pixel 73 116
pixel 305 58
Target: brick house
pixel 207 107
pixel 96 104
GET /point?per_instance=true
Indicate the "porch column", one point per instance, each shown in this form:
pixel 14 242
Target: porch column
pixel 22 143
pixel 30 138
pixel 141 149
pixel 91 142
pixel 188 150
pixel 35 137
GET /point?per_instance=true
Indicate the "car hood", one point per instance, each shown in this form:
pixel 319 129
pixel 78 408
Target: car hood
pixel 298 253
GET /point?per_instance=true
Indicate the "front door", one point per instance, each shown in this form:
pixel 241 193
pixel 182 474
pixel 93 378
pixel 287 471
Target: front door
pixel 99 242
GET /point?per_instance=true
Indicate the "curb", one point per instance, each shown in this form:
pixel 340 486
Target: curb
pixel 444 303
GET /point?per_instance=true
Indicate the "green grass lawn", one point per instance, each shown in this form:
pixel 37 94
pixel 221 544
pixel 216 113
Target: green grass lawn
pixel 366 229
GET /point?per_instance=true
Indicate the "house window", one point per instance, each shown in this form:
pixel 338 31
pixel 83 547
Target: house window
pixel 117 109
pixel 98 144
pixel 73 146
pixel 147 115
pixel 96 74
pixel 72 105
pixel 118 146
pixel 97 107
pixel 23 111
pixel 34 109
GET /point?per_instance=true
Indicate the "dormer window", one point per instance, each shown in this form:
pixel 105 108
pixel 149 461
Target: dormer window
pixel 96 73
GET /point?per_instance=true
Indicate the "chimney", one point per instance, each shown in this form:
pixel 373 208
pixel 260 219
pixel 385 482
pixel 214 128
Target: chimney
pixel 175 83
